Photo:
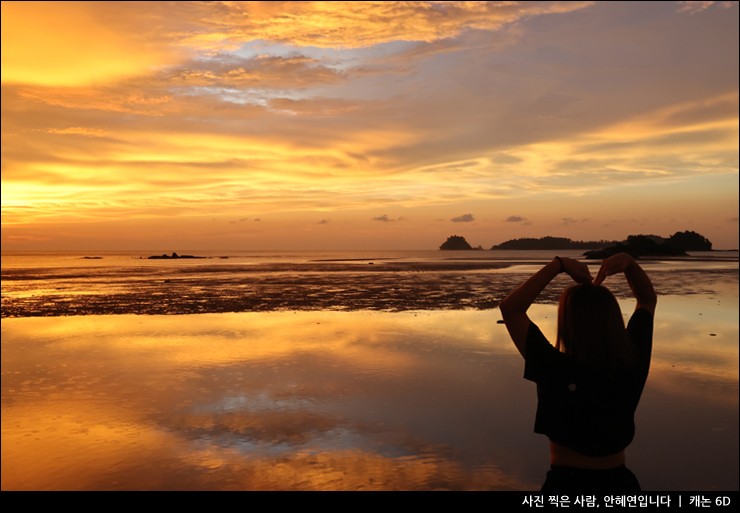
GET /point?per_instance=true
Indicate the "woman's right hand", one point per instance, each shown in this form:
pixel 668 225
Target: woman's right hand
pixel 613 265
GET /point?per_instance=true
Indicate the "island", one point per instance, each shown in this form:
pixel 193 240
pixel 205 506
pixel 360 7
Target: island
pixel 690 241
pixel 455 242
pixel 636 245
pixel 173 255
pixel 545 243
pixel 653 245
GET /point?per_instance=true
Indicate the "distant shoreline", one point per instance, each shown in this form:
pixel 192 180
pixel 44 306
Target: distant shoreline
pixel 380 254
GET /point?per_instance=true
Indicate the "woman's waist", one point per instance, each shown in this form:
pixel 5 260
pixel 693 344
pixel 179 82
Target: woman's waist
pixel 564 457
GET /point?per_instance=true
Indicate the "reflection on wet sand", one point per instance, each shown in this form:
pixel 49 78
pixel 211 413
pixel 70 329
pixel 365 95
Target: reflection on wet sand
pixel 389 286
pixel 257 401
pixel 332 401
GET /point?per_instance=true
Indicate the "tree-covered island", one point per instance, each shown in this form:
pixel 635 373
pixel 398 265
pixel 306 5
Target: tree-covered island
pixel 637 245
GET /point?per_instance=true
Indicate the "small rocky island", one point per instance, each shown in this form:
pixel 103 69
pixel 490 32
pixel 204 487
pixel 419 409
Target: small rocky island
pixel 173 255
pixel 455 242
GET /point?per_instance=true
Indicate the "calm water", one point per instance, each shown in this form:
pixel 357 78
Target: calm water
pixel 322 395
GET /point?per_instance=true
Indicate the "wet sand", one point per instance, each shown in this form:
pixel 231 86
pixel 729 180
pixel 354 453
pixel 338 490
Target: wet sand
pixel 345 286
pixel 339 400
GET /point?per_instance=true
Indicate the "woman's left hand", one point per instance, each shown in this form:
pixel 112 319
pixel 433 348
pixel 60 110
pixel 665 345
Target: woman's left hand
pixel 576 270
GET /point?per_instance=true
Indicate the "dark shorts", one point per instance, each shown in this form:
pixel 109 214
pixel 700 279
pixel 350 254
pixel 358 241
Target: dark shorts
pixel 569 479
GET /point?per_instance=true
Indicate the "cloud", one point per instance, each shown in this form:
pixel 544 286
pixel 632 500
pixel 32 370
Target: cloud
pixel 78 130
pixel 570 220
pixel 354 25
pixel 518 219
pixel 262 71
pixel 693 7
pixel 385 219
pixel 465 218
pixel 132 96
pixel 295 107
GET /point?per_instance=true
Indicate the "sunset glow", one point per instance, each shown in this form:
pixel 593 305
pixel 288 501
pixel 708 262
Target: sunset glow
pixel 359 125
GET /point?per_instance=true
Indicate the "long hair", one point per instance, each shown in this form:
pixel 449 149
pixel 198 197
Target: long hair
pixel 591 328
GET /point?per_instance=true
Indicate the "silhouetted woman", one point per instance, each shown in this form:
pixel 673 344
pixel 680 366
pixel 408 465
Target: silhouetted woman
pixel 590 382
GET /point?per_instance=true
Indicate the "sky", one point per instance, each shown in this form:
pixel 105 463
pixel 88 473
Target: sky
pixel 365 125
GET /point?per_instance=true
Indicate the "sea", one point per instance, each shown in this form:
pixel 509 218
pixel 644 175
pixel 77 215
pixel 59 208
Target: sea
pixel 332 371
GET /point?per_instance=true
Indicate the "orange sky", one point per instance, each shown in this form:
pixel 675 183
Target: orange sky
pixel 357 125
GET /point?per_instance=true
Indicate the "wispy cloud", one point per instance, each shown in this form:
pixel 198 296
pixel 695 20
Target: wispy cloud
pixel 79 130
pixel 386 219
pixel 692 7
pixel 569 220
pixel 354 25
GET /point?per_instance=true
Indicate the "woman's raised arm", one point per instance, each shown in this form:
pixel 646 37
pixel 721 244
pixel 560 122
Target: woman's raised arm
pixel 514 306
pixel 638 280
